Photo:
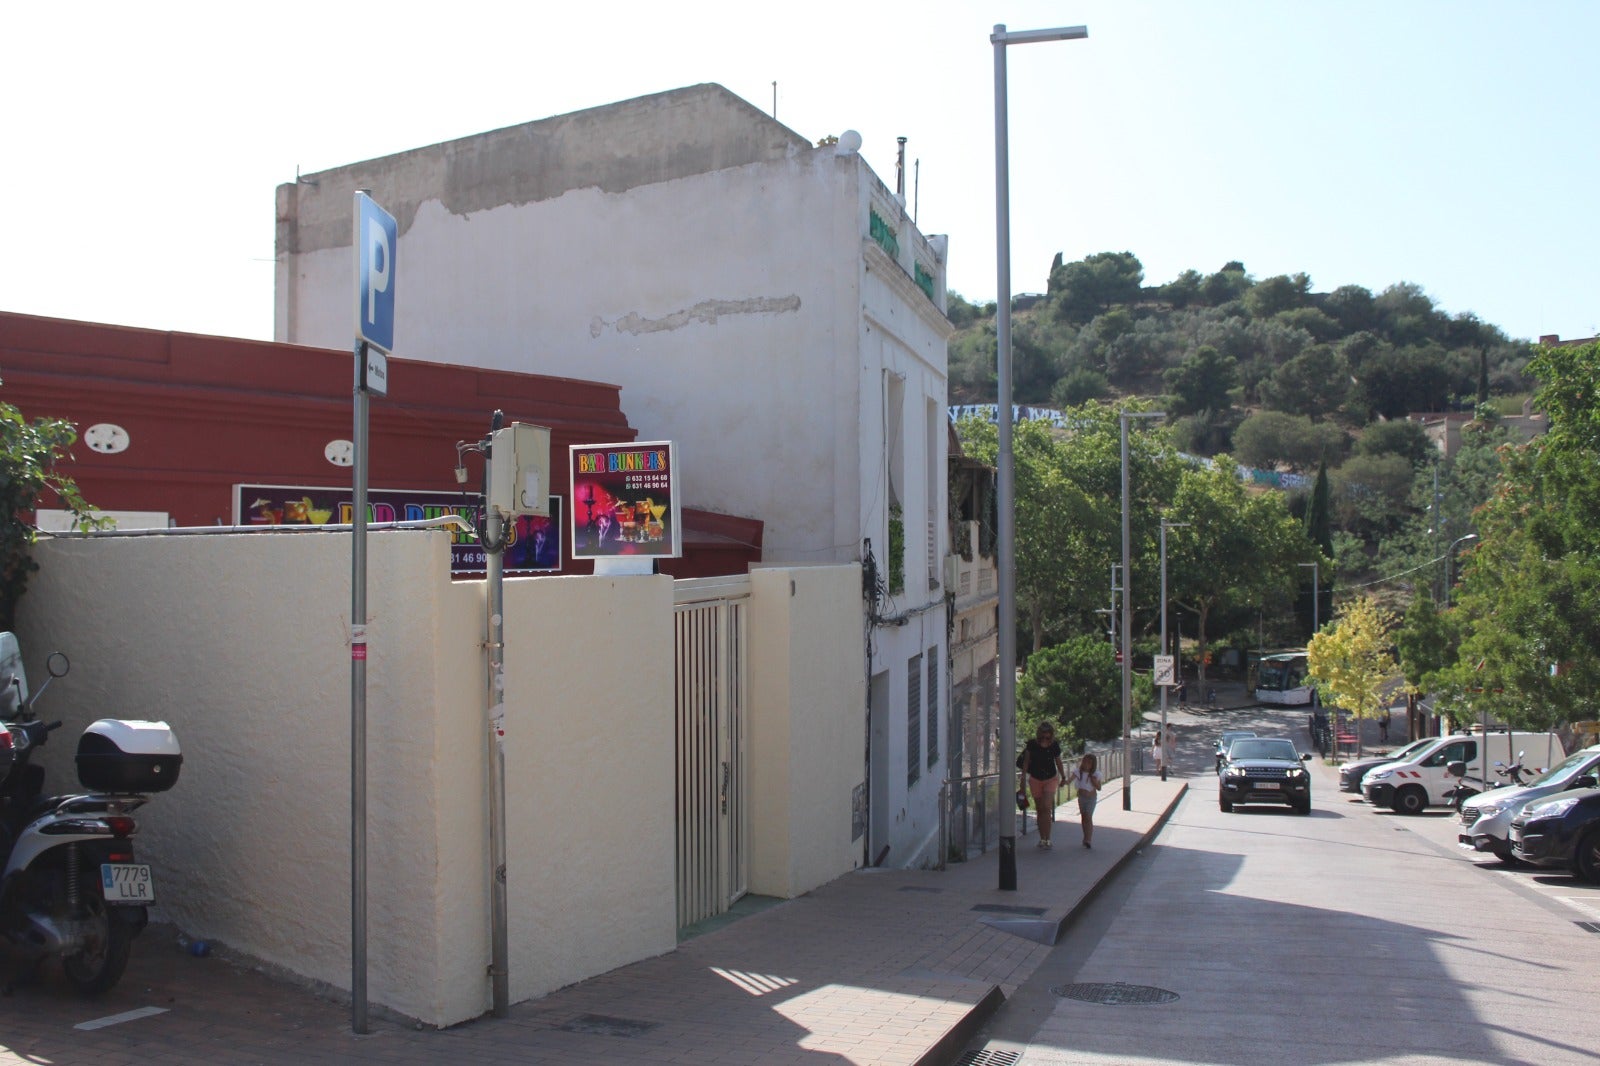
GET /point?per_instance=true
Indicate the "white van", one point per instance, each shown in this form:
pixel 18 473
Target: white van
pixel 1421 781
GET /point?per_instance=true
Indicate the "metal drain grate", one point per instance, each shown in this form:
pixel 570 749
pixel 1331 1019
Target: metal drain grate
pixel 920 888
pixel 605 1025
pixel 1116 994
pixel 1002 908
pixel 1593 927
pixel 986 1057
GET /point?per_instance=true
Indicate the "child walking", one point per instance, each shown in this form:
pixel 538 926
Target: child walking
pixel 1086 778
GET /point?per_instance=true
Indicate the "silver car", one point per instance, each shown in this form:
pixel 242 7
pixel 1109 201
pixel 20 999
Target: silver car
pixel 1486 817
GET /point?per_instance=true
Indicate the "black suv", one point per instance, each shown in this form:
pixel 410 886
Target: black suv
pixel 1265 770
pixel 1563 830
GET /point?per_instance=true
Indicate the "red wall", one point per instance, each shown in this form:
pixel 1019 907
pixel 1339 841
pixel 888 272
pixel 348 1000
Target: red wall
pixel 205 413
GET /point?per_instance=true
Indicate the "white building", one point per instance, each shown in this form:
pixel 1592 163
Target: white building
pixel 764 303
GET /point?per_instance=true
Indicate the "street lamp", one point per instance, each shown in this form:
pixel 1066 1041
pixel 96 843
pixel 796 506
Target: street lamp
pixel 1006 489
pixel 1165 525
pixel 1127 616
pixel 1449 564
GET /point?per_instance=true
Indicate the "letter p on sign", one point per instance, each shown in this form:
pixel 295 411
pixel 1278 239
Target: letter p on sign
pixel 376 239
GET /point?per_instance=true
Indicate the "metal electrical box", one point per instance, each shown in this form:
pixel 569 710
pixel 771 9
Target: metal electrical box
pixel 519 470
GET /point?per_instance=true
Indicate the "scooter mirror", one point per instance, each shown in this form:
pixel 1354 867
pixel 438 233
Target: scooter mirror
pixel 58 664
pixel 1456 769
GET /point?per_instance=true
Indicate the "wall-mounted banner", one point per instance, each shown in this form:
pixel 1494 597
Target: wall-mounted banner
pixel 535 540
pixel 625 501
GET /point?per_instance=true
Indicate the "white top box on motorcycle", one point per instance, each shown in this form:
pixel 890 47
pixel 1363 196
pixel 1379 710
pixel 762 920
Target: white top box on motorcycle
pixel 127 756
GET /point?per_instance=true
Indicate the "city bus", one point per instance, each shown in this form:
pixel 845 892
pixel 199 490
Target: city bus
pixel 1281 679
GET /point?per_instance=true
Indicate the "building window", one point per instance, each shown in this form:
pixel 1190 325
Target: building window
pixel 913 720
pixel 933 707
pixel 924 279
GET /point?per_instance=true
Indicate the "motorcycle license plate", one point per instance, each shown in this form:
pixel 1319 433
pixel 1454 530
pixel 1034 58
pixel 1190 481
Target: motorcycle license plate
pixel 127 882
pixel 1267 784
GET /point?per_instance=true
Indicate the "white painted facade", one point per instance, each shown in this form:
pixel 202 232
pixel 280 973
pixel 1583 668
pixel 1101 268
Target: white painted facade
pixel 764 303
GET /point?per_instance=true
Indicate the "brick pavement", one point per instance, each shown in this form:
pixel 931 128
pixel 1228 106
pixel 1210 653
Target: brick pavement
pixel 876 967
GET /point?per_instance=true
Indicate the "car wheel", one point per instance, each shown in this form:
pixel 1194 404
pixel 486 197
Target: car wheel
pixel 1505 855
pixel 1303 808
pixel 1410 800
pixel 1227 807
pixel 1586 858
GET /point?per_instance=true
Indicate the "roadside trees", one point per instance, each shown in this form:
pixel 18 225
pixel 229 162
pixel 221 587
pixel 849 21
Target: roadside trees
pixel 30 451
pixel 1350 662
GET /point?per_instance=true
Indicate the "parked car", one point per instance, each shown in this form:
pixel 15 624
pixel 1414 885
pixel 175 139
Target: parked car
pixel 1561 831
pixel 1423 779
pixel 1351 773
pixel 1225 740
pixel 1486 818
pixel 1265 770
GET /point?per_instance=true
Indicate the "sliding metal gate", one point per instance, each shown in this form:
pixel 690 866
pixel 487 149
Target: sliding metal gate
pixel 710 618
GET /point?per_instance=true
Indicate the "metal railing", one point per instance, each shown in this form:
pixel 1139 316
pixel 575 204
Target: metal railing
pixel 970 808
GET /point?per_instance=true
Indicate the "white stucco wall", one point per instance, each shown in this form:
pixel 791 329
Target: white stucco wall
pixel 806 725
pixel 725 304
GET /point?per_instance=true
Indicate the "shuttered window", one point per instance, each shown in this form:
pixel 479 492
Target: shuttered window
pixel 913 720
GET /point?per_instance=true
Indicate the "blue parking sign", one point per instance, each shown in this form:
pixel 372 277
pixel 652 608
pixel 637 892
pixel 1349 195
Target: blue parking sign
pixel 376 240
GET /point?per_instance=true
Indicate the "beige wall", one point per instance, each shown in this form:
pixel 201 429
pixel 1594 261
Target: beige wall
pixel 240 642
pixel 807 725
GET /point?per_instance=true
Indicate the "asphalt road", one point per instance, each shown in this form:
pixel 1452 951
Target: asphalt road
pixel 1349 936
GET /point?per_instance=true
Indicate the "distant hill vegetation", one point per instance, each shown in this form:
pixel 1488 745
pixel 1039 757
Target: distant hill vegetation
pixel 1267 370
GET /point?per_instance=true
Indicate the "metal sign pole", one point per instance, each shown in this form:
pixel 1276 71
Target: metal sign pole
pixel 499 963
pixel 358 708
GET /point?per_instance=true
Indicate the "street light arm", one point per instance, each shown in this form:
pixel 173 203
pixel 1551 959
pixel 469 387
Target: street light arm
pixel 1060 33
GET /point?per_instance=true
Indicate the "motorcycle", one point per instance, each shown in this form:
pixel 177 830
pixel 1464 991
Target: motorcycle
pixel 71 889
pixel 1514 774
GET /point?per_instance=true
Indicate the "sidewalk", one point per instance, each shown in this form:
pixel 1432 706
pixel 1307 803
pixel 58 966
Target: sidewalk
pixel 876 967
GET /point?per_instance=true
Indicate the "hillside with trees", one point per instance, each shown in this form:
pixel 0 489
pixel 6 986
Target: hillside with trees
pixel 1486 551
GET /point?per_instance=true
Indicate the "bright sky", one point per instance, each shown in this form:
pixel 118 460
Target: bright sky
pixel 1449 144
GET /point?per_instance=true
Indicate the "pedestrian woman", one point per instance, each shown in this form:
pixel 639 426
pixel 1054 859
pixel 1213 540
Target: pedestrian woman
pixel 1086 779
pixel 1041 762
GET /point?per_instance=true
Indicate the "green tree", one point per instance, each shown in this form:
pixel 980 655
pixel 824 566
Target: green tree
pixel 1239 550
pixel 1269 438
pixel 1077 684
pixel 31 452
pixel 1202 381
pixel 1350 661
pixel 1094 285
pixel 1313 383
pixel 1401 437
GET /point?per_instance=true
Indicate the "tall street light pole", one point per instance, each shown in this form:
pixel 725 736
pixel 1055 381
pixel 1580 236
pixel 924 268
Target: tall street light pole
pixel 1449 565
pixel 1007 546
pixel 1127 617
pixel 1165 525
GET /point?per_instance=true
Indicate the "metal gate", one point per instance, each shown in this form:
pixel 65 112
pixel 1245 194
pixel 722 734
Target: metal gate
pixel 710 619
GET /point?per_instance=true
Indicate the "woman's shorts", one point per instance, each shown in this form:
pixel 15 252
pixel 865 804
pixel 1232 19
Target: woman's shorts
pixel 1044 791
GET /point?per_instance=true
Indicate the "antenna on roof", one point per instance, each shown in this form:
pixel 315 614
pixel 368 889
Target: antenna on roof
pixel 916 188
pixel 900 171
pixel 774 101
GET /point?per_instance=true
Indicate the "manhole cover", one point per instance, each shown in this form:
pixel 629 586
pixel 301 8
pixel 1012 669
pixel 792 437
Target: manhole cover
pixel 1116 994
pixel 605 1025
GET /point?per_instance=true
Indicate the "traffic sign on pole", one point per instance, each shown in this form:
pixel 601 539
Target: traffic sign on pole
pixel 376 240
